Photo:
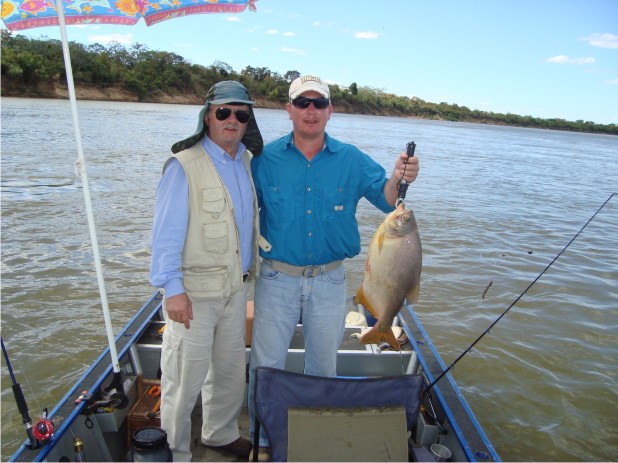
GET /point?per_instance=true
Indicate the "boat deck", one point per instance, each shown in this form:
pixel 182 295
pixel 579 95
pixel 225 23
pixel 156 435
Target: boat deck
pixel 202 453
pixel 105 432
pixel 357 358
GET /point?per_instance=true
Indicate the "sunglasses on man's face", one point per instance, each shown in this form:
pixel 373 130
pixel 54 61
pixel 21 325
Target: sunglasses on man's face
pixel 242 116
pixel 303 102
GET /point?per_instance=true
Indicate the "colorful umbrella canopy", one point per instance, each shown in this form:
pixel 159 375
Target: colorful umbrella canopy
pixel 27 14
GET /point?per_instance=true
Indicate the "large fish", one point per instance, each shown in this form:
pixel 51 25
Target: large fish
pixel 392 273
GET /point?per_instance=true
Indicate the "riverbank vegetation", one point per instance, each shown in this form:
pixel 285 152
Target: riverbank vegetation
pixel 34 67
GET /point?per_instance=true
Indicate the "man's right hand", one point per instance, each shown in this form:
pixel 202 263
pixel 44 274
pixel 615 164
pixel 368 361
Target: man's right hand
pixel 179 309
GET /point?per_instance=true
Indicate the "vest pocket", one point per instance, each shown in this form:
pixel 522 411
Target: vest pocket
pixel 215 237
pixel 213 201
pixel 202 283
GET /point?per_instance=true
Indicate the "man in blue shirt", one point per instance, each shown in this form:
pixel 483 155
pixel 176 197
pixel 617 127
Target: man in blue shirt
pixel 308 186
pixel 204 256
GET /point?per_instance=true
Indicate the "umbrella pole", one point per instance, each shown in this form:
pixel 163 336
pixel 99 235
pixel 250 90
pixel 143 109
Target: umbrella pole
pixel 80 165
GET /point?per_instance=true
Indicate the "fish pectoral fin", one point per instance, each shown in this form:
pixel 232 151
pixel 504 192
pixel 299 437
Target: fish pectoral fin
pixel 362 300
pixel 412 295
pixel 376 335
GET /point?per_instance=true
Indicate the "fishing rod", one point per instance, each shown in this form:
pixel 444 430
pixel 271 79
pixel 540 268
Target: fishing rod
pixel 21 403
pixel 469 348
pixel 403 185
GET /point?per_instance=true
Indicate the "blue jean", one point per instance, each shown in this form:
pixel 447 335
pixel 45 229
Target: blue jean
pixel 280 302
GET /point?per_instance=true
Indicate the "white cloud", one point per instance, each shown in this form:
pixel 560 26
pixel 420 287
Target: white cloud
pixel 106 39
pixel 272 32
pixel 563 59
pixel 232 18
pixel 611 82
pixel 292 50
pixel 366 35
pixel 602 40
pixel 289 34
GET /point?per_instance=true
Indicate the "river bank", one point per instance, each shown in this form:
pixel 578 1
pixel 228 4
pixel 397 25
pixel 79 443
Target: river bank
pixel 55 90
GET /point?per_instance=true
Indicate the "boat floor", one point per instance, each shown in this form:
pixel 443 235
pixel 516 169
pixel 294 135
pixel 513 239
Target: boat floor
pixel 202 453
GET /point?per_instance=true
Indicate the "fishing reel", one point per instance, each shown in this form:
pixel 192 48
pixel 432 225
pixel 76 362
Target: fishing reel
pixel 99 401
pixel 43 429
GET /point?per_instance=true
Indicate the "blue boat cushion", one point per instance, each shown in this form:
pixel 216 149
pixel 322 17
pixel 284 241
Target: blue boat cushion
pixel 276 390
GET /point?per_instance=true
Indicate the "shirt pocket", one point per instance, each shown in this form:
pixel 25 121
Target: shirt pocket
pixel 337 204
pixel 213 201
pixel 279 203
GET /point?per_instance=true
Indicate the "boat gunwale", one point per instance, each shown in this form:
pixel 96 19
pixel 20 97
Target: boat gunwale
pixel 431 374
pixel 125 342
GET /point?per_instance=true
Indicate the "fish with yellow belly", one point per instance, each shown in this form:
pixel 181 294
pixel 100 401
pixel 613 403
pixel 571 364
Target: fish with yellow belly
pixel 392 273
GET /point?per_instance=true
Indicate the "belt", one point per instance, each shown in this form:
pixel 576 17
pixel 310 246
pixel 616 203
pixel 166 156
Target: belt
pixel 244 277
pixel 308 271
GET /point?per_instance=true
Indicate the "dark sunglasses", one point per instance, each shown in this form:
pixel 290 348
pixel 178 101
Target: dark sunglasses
pixel 304 102
pixel 241 115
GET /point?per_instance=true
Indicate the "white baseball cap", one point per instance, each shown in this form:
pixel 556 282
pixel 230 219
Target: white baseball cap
pixel 306 84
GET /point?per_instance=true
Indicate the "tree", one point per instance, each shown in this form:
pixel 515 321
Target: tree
pixel 28 64
pixel 291 76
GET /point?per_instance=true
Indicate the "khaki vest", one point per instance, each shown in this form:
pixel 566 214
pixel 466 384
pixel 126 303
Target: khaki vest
pixel 211 264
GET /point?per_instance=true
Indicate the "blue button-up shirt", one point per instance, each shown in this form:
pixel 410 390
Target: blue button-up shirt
pixel 308 208
pixel 172 215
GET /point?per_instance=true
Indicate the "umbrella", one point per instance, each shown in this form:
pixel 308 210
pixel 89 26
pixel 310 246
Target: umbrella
pixel 27 14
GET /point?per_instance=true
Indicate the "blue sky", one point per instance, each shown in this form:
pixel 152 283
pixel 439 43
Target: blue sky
pixel 544 58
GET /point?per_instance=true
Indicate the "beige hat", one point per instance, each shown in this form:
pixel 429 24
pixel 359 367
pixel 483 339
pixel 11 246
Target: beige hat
pixel 307 84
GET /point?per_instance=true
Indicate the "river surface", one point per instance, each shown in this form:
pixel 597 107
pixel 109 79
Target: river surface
pixel 495 206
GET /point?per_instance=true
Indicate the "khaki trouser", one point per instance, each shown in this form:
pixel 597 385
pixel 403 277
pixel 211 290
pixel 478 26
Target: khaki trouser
pixel 208 358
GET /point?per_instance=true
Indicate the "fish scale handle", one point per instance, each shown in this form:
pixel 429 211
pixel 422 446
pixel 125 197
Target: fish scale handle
pixel 403 185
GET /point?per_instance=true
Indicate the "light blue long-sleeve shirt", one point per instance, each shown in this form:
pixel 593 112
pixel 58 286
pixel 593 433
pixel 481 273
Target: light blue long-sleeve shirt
pixel 172 215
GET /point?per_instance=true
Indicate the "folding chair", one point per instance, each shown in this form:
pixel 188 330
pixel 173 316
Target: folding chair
pixel 278 391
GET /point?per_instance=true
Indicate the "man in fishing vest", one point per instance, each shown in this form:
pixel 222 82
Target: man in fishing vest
pixel 204 257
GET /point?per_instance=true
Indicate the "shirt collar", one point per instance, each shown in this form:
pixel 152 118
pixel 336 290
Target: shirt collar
pixel 329 143
pixel 216 152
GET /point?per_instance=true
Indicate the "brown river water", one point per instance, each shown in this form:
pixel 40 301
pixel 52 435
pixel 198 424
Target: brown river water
pixel 494 205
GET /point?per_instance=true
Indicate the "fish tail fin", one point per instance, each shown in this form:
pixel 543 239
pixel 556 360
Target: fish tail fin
pixel 377 335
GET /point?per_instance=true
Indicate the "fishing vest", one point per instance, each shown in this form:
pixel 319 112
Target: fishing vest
pixel 211 264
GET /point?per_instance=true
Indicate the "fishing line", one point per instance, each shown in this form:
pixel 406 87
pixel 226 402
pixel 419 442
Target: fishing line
pixel 452 365
pixel 20 400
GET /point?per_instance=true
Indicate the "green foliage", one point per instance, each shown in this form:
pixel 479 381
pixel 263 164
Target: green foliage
pixel 29 63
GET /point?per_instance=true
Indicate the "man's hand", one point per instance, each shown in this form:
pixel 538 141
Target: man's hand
pixel 180 309
pixel 405 169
